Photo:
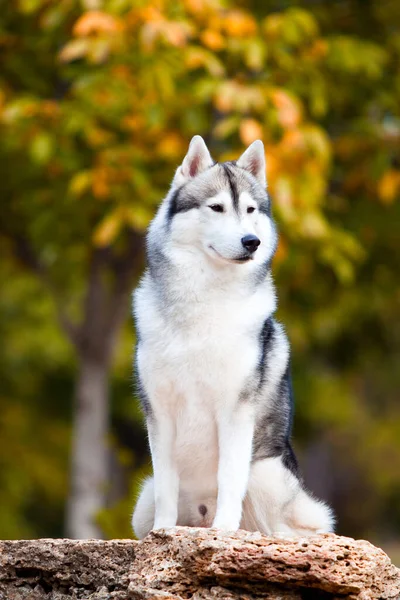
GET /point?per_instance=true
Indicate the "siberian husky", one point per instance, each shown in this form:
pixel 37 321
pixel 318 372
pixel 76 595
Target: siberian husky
pixel 212 363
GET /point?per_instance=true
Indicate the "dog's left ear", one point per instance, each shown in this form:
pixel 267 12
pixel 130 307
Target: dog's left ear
pixel 253 160
pixel 197 159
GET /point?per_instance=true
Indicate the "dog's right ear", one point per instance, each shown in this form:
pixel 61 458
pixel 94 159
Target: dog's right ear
pixel 197 159
pixel 253 160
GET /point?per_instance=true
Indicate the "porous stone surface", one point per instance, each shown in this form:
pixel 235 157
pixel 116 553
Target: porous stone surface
pixel 201 564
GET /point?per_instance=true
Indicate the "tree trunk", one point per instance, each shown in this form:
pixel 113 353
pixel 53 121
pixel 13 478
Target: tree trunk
pixel 89 450
pixel 105 310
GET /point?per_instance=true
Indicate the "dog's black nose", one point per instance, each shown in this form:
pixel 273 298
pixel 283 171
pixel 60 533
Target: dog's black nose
pixel 251 242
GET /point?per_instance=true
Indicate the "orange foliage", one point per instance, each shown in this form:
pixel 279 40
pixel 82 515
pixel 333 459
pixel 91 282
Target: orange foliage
pixel 96 21
pixel 250 130
pixel 289 108
pixel 239 24
pixel 212 39
pixel 389 186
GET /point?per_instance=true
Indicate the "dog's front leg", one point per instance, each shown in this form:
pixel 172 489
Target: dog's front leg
pixel 235 432
pixel 166 480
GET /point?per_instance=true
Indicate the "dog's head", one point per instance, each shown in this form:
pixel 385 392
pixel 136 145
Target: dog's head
pixel 221 209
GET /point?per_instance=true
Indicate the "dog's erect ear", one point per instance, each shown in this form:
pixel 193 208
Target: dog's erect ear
pixel 253 160
pixel 197 159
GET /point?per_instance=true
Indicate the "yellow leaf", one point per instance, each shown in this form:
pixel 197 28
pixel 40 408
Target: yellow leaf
pixel 273 163
pixel 151 13
pixel 288 108
pixel 313 225
pixel 74 49
pixel 97 136
pixel 80 183
pixel 101 183
pixel 239 24
pixel 138 217
pixel 171 145
pixel 212 39
pixel 197 6
pixel 175 33
pixel 250 130
pixel 108 229
pixel 42 147
pixel 272 25
pixel 281 251
pixel 99 50
pixel 318 142
pixel 255 54
pixel 200 57
pixel 389 186
pixel 226 126
pixel 293 141
pixel 243 98
pixel 224 99
pixel 283 197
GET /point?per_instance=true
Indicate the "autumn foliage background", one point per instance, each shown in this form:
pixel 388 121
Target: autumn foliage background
pixel 98 101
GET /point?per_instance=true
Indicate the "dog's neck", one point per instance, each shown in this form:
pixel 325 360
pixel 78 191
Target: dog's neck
pixel 184 279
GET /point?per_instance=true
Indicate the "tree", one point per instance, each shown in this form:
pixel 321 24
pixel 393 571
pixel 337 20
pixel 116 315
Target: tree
pixel 97 108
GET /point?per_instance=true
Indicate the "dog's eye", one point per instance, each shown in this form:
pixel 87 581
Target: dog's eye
pixel 217 207
pixel 250 209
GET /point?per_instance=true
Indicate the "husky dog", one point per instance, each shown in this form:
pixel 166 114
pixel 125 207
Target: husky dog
pixel 212 363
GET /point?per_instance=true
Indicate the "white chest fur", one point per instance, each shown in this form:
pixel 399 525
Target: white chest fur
pixel 195 356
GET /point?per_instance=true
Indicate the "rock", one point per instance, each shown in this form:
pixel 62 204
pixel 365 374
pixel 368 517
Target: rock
pixel 201 564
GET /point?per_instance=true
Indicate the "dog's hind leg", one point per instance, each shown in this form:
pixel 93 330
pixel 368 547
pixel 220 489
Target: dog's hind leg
pixel 143 514
pixel 276 503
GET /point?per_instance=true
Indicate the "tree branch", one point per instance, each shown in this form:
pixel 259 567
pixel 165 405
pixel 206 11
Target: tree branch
pixel 110 280
pixel 28 257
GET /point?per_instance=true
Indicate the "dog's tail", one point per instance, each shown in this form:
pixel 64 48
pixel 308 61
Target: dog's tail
pixel 277 503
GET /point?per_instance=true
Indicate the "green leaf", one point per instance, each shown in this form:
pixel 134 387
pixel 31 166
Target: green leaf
pixel 42 148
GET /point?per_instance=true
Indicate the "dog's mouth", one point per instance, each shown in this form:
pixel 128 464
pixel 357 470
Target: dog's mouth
pixel 237 260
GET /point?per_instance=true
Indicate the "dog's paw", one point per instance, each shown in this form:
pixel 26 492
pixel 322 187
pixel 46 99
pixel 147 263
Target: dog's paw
pixel 225 524
pixel 163 524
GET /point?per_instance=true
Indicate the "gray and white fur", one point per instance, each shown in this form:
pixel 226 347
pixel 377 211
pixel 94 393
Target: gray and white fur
pixel 213 364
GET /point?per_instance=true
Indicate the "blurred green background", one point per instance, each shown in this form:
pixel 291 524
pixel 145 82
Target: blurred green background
pixel 98 101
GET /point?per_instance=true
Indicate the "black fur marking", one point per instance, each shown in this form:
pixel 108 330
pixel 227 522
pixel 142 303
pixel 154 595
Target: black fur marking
pixel 264 207
pixel 258 191
pixel 290 461
pixel 262 199
pixel 286 388
pixel 232 184
pixel 173 204
pixel 177 205
pixel 266 337
pixel 272 436
pixel 286 395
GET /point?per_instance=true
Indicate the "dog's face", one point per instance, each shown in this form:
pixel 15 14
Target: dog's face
pixel 222 210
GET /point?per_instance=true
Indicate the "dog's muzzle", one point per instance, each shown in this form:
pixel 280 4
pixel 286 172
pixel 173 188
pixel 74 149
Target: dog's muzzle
pixel 251 242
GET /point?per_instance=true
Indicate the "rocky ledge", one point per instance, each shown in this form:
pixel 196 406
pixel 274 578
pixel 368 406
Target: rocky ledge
pixel 200 564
